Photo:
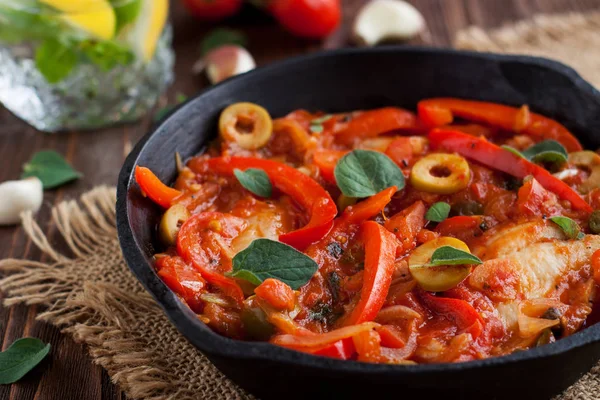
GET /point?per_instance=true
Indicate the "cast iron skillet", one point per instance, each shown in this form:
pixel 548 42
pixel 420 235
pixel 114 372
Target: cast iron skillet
pixel 348 80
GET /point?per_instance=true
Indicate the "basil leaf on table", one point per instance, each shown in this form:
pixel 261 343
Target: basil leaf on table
pixel 448 255
pixel 266 258
pixel 55 60
pixel 222 37
pixel 20 358
pixel 316 125
pixel 50 168
pixel 569 227
pixel 438 212
pixel 255 180
pixel 364 173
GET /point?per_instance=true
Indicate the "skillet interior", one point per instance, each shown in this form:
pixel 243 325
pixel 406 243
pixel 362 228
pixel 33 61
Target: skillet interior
pixel 346 80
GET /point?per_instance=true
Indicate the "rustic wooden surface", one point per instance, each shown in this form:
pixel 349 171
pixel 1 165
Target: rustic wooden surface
pixel 69 374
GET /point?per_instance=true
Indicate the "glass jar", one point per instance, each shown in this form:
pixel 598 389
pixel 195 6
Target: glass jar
pixel 83 64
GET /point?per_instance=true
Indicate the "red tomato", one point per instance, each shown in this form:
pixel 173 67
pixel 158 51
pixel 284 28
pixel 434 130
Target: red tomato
pixel 314 19
pixel 213 10
pixel 279 295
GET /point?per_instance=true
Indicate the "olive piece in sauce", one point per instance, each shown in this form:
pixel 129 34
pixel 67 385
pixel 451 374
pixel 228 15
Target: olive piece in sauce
pixel 170 223
pixel 594 222
pixel 438 278
pixel 467 208
pixel 256 325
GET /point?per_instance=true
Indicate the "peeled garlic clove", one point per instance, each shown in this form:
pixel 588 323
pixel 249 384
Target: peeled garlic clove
pixel 379 20
pixel 227 61
pixel 19 196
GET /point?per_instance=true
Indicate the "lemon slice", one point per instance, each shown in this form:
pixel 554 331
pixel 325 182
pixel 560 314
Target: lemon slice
pixel 95 17
pixel 143 33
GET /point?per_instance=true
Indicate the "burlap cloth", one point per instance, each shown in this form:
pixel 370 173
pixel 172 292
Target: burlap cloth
pixel 92 296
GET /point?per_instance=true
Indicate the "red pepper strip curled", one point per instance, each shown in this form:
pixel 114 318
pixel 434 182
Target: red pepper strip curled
pixel 374 123
pixel 380 253
pixel 158 192
pixel 505 117
pixel 496 157
pixel 466 318
pixel 302 188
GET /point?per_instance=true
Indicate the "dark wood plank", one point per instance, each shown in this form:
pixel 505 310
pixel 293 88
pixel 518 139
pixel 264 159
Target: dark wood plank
pixel 69 373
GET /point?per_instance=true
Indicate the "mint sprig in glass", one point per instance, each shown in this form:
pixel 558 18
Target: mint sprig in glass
pixel 83 64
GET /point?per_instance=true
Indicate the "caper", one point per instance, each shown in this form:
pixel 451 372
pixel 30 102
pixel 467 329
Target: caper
pixel 594 222
pixel 256 325
pixel 468 207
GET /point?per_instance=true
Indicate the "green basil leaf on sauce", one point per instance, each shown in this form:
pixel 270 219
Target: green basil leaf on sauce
pixel 569 227
pixel 20 358
pixel 316 125
pixel 50 168
pixel 266 258
pixel 364 173
pixel 548 151
pixel 438 212
pixel 448 255
pixel 255 180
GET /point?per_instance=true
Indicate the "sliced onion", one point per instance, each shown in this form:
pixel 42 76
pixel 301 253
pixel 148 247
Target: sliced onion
pixel 395 313
pixel 315 342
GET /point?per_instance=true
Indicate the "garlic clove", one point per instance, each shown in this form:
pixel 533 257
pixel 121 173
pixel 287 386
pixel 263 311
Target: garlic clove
pixel 18 196
pixel 225 62
pixel 379 20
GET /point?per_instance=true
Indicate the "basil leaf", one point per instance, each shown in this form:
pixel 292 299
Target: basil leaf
pixel 316 125
pixel 255 180
pixel 20 358
pixel 221 37
pixel 266 258
pixel 126 12
pixel 448 255
pixel 548 151
pixel 513 150
pixel 569 227
pixel 55 60
pixel 51 168
pixel 106 54
pixel 438 212
pixel 364 173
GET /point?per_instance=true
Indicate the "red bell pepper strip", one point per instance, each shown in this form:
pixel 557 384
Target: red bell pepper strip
pixel 498 158
pixel 158 192
pixel 195 245
pixel 505 117
pixel 182 279
pixel 374 123
pixel 342 349
pixel 368 208
pixel 302 188
pixel 326 160
pixel 466 318
pixel 380 254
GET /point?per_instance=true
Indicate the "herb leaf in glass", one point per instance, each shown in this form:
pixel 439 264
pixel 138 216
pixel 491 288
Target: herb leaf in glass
pixel 83 64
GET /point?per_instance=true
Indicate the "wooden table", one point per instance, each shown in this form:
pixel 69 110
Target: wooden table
pixel 69 373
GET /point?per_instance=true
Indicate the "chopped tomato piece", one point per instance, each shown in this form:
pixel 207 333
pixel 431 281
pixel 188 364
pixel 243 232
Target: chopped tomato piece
pixel 279 295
